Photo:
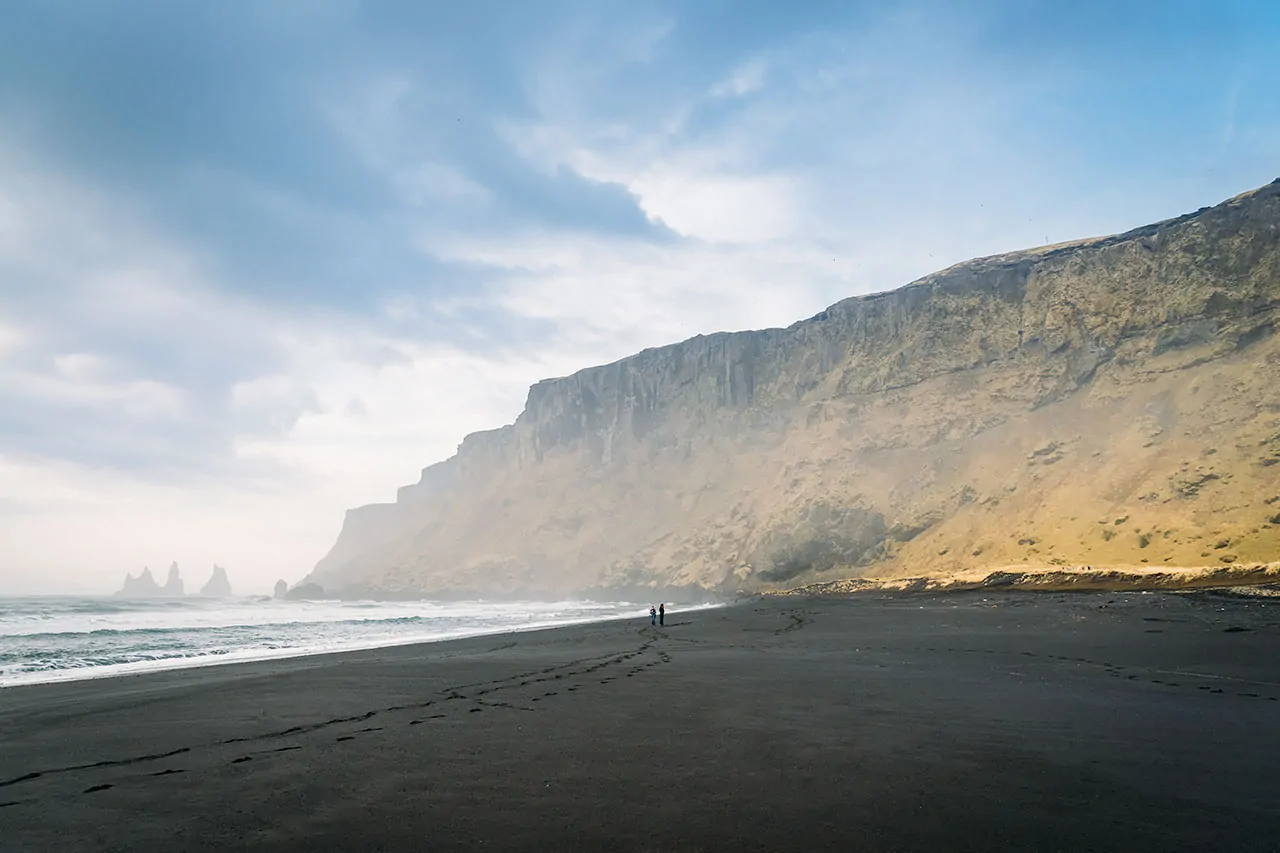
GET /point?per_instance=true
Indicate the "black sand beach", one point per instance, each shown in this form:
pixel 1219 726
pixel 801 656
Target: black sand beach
pixel 948 722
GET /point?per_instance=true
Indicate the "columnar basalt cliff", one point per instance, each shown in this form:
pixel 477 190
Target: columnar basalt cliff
pixel 1113 401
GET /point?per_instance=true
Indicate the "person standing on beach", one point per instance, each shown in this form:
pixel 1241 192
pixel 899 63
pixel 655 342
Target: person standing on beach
pixel 662 614
pixel 653 615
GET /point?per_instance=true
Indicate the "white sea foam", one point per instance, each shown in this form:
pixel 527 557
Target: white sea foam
pixel 59 639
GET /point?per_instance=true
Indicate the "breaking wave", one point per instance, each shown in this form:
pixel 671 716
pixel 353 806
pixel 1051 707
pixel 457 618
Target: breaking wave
pixel 57 638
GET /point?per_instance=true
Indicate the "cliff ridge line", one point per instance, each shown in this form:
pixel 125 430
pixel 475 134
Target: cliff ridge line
pixel 736 458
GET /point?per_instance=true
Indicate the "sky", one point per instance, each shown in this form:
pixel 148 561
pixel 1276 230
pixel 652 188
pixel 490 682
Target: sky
pixel 262 262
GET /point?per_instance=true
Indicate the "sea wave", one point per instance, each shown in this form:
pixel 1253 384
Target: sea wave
pixel 117 632
pixel 54 640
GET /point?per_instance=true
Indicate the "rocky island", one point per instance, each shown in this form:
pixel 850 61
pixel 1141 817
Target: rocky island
pixel 1110 402
pixel 145 586
pixel 218 586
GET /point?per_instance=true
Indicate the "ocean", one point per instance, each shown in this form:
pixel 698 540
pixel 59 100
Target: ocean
pixel 65 638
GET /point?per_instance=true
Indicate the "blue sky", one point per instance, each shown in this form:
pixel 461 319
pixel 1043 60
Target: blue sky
pixel 262 261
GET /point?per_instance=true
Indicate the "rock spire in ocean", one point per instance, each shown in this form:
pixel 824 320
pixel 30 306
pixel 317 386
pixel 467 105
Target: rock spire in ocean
pixel 218 586
pixel 306 592
pixel 173 586
pixel 143 586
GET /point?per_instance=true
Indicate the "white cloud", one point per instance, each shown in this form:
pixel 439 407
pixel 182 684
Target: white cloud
pixel 82 366
pixel 745 79
pixel 721 208
pixel 272 404
pixel 84 379
pixel 611 297
pixel 12 339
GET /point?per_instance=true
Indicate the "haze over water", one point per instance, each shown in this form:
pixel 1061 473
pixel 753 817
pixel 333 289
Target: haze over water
pixel 66 638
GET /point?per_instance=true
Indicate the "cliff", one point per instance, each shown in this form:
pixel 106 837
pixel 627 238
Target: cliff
pixel 1111 402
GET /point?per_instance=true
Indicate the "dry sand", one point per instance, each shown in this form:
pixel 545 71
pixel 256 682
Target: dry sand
pixel 967 721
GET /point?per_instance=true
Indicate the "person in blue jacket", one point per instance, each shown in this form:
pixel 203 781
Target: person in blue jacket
pixel 653 615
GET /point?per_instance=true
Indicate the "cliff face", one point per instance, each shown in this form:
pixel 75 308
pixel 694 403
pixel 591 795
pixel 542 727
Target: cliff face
pixel 1111 401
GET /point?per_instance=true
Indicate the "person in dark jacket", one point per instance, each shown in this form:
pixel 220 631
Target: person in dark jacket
pixel 653 615
pixel 662 614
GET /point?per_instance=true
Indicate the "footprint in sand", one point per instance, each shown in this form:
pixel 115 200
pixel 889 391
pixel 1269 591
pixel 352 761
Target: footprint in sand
pixel 97 788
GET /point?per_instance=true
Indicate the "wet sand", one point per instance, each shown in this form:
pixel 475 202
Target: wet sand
pixel 967 721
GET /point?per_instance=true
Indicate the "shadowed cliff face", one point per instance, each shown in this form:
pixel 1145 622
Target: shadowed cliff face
pixel 1111 401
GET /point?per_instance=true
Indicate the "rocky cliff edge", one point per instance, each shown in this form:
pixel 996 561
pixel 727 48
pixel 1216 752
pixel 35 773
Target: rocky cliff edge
pixel 1112 402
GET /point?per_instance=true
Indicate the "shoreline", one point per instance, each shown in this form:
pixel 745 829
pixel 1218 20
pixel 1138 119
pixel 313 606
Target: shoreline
pixel 921 722
pixel 177 664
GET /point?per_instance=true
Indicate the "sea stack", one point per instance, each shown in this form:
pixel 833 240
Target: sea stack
pixel 306 592
pixel 143 586
pixel 282 589
pixel 173 586
pixel 218 586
